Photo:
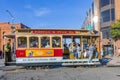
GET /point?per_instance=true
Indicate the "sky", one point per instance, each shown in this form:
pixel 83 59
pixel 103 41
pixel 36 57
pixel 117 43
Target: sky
pixel 65 14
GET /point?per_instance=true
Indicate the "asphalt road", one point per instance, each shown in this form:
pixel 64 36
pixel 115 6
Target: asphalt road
pixel 64 73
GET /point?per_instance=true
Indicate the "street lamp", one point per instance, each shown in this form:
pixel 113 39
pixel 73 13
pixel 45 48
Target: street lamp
pixel 12 24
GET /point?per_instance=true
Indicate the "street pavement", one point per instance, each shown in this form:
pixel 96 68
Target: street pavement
pixel 110 62
pixel 1 63
pixel 65 73
pixel 1 68
pixel 114 62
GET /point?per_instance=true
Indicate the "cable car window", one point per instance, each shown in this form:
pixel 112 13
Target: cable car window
pixel 45 42
pixel 56 42
pixel 33 42
pixel 22 42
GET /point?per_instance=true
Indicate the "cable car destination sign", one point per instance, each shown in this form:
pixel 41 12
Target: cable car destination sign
pixel 51 31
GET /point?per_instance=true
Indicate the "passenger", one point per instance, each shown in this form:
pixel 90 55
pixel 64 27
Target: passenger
pixel 71 54
pixel 70 48
pixel 47 45
pixel 57 44
pixel 65 46
pixel 91 49
pixel 78 50
pixel 87 47
pixel 75 52
pixel 95 51
pixel 36 44
pixel 22 44
pixel 85 53
pixel 54 43
pixel 79 54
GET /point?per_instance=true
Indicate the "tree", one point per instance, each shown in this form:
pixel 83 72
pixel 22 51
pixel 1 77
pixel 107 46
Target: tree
pixel 115 30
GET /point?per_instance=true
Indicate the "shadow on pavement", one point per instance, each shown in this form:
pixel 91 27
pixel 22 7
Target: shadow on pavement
pixel 104 61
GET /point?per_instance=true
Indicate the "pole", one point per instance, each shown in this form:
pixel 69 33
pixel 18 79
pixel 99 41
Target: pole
pixel 12 17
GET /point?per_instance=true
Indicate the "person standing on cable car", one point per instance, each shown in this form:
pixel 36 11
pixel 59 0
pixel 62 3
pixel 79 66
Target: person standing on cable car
pixel 78 50
pixel 7 49
pixel 91 49
pixel 75 51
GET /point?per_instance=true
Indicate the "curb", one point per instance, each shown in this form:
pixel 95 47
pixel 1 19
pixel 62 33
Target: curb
pixel 113 65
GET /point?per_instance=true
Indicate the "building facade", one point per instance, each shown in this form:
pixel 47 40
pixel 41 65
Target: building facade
pixel 5 28
pixel 107 11
pixel 88 22
pixel 107 16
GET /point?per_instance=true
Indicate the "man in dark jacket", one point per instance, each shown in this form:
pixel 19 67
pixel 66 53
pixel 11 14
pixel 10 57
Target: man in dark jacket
pixel 7 50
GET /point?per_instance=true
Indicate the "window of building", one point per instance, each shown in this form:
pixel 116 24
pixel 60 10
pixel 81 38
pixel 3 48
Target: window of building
pixel 105 15
pixel 33 42
pixel 22 42
pixel 103 32
pixel 113 14
pixel 45 42
pixel 56 42
pixel 92 8
pixel 106 32
pixel 112 1
pixel 104 2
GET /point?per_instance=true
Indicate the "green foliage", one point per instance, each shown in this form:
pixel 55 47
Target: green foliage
pixel 115 30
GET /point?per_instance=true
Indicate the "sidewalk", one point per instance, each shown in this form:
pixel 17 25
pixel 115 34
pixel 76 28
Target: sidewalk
pixel 1 64
pixel 115 62
pixel 1 68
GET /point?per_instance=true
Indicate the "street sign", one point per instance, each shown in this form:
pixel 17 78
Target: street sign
pixel 89 27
